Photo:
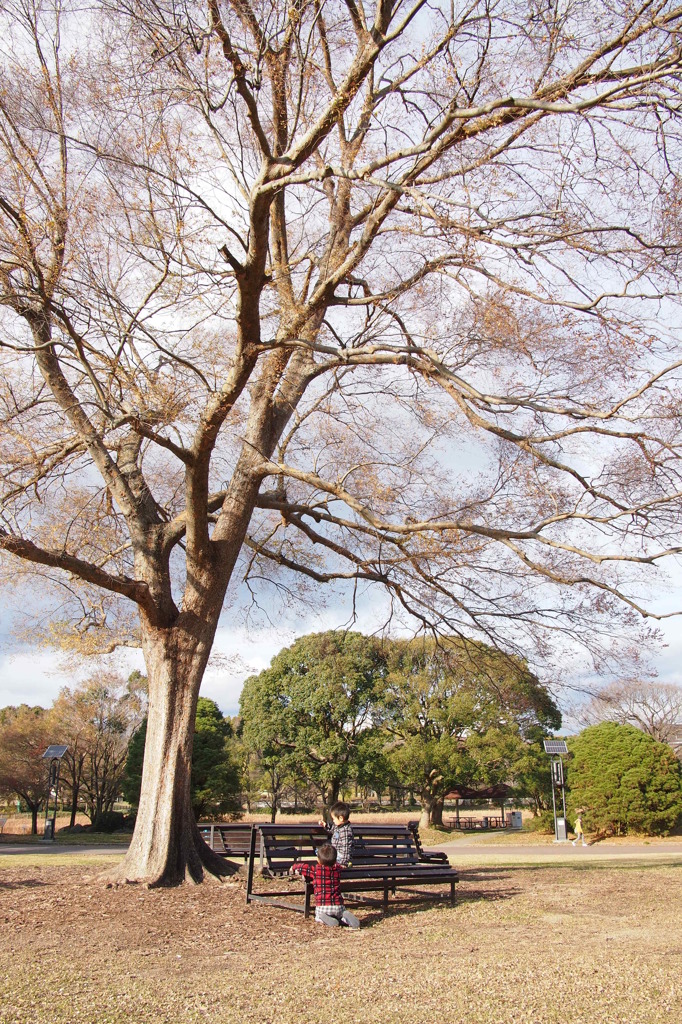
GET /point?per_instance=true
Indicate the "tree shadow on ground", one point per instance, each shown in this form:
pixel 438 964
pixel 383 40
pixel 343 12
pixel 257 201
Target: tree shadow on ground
pixel 23 883
pixel 412 905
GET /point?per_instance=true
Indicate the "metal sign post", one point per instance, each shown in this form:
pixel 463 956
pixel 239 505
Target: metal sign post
pixel 54 755
pixel 556 748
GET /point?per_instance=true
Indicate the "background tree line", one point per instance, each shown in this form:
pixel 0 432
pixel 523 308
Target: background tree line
pixel 340 713
pixel 96 720
pixel 415 716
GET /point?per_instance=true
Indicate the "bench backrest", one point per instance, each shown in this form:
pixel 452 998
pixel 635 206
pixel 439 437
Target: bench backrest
pixel 283 845
pixel 227 837
pixel 374 846
pixel 384 845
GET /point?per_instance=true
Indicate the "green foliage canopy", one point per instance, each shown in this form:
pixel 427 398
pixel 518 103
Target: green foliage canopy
pixel 623 781
pixel 309 710
pixel 460 713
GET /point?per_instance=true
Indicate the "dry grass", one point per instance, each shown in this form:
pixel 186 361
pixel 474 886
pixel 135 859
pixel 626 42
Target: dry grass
pixel 20 824
pixel 525 945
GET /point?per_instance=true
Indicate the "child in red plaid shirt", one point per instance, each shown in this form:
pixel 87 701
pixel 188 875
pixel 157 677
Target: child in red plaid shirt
pixel 325 877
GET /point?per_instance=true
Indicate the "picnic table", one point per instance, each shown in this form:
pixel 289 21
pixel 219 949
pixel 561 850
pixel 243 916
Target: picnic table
pixel 467 822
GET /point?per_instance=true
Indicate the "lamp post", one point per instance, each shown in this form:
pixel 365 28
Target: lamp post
pixel 54 755
pixel 556 748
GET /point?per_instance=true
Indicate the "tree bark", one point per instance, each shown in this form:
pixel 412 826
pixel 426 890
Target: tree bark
pixel 427 801
pixel 166 847
pixel 74 805
pixel 330 796
pixel 437 811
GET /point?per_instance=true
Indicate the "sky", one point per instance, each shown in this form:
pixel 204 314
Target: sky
pixel 35 677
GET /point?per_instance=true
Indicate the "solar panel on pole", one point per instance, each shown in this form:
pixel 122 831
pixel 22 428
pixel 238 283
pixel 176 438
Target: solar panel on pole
pixel 54 754
pixel 555 746
pixel 55 750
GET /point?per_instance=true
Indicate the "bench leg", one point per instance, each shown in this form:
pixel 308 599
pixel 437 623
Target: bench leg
pixel 452 893
pixel 252 861
pixel 306 900
pixel 384 905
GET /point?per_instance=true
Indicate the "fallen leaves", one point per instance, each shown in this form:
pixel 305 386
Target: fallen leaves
pixel 522 945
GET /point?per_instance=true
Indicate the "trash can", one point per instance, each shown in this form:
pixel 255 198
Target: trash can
pixel 49 830
pixel 485 823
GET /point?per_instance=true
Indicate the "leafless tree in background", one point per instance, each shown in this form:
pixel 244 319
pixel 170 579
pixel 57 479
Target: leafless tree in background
pixel 653 707
pixel 360 294
pixel 96 720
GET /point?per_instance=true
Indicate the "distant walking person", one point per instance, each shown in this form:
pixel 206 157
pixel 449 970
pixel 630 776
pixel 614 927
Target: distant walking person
pixel 578 829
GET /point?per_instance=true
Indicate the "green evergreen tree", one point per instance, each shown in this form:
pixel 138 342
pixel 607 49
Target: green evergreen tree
pixel 216 779
pixel 459 713
pixel 308 712
pixel 623 781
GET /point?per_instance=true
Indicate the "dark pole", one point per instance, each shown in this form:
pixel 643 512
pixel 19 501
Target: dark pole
pixel 52 779
pixel 555 748
pixel 53 754
pixel 56 763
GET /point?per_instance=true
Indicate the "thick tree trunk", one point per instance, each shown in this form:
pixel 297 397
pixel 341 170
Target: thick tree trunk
pixel 166 847
pixel 330 796
pixel 436 811
pixel 427 802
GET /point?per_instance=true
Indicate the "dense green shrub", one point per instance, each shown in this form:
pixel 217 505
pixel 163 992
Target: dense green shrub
pixel 109 821
pixel 623 781
pixel 542 822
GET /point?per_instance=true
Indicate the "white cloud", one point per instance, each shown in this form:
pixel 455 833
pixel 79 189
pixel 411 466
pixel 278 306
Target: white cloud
pixel 36 677
pixel 30 678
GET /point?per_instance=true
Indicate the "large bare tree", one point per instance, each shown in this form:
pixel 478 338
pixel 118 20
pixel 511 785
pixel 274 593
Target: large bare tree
pixel 367 293
pixel 652 706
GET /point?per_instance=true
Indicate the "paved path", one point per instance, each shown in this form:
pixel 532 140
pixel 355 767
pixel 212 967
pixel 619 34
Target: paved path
pixel 49 848
pixel 476 847
pixel 467 848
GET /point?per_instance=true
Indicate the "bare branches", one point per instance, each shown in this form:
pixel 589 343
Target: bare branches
pixel 72 564
pixel 448 332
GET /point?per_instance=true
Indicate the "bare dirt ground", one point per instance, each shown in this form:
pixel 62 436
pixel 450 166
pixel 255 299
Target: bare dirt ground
pixel 525 945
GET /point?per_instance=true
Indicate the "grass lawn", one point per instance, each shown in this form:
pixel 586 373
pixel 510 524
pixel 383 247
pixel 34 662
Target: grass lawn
pixel 588 942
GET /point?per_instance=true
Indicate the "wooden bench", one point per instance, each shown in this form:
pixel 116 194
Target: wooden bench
pixel 385 860
pixel 430 857
pixel 229 839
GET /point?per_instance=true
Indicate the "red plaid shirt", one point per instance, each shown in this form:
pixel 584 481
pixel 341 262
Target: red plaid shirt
pixel 325 881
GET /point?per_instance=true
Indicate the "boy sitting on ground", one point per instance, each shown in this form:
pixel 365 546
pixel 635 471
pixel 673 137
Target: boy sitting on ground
pixel 325 878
